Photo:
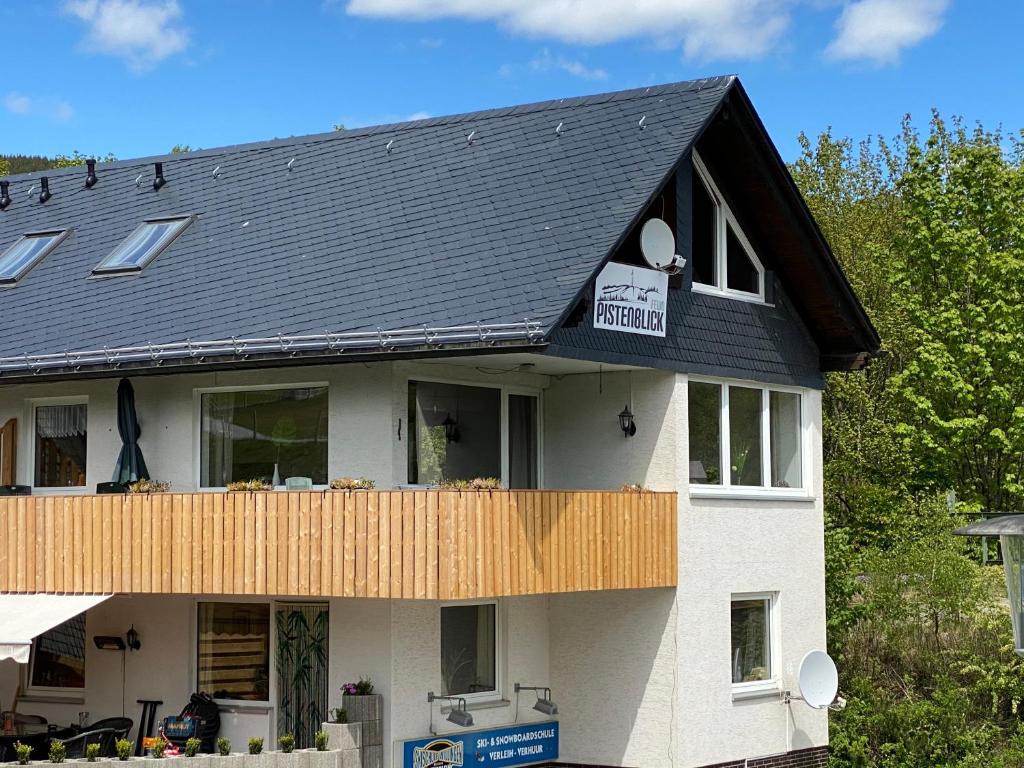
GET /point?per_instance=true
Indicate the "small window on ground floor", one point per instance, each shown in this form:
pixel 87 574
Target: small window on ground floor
pixel 469 649
pixel 265 434
pixel 60 445
pixel 751 639
pixel 58 656
pixel 234 650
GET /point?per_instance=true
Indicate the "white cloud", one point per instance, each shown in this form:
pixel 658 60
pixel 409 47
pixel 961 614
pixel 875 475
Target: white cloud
pixel 706 29
pixel 421 115
pixel 141 32
pixel 879 30
pixel 48 107
pixel 545 62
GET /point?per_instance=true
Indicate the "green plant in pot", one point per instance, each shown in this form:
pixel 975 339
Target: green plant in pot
pixel 320 740
pixel 23 752
pixel 57 751
pixel 223 746
pixel 123 747
pixel 192 747
pixel 287 742
pixel 159 747
pixel 341 715
pixel 255 745
pixel 92 751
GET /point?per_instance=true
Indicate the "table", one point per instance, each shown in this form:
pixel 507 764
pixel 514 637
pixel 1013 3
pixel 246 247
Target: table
pixel 36 735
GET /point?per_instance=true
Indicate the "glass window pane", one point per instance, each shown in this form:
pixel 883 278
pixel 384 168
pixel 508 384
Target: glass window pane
pixel 705 417
pixel 522 441
pixel 742 274
pixel 468 645
pixel 58 656
pixel 234 650
pixel 24 254
pixel 705 219
pixel 60 450
pixel 142 245
pixel 262 433
pixel 784 409
pixel 745 435
pixel 751 651
pixel 455 432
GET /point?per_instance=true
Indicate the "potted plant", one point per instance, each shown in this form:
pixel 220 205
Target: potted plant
pixel 123 748
pixel 57 751
pixel 340 733
pixel 257 757
pixel 191 751
pixel 149 486
pixel 23 752
pixel 352 484
pixel 319 757
pixel 226 758
pixel 256 484
pixel 287 743
pixel 158 748
pixel 92 751
pixel 476 484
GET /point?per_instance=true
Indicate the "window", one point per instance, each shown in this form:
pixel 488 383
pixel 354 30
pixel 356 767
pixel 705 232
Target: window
pixel 233 650
pixel 723 260
pixel 759 429
pixel 457 432
pixel 469 649
pixel 752 641
pixel 58 656
pixel 60 445
pixel 32 248
pixel 263 434
pixel 142 246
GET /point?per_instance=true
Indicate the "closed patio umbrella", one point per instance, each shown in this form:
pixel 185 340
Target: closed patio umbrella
pixel 130 465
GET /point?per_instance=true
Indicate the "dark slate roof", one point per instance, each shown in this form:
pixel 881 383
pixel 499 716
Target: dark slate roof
pixel 438 231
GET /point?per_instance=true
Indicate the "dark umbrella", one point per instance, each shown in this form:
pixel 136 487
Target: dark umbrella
pixel 130 465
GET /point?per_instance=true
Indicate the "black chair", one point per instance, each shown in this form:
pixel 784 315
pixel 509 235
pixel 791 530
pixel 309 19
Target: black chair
pixel 111 488
pixel 15 490
pixel 121 726
pixel 76 745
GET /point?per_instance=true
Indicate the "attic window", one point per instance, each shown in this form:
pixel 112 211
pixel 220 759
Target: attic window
pixel 724 262
pixel 32 248
pixel 142 246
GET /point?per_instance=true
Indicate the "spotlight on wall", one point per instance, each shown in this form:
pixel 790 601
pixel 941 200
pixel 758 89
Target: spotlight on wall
pixel 626 422
pixel 109 642
pixel 457 714
pixel 544 704
pixel 132 637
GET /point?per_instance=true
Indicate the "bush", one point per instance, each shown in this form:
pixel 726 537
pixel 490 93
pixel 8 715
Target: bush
pixel 476 484
pixel 255 745
pixel 287 742
pixel 158 748
pixel 149 486
pixel 341 715
pixel 123 747
pixel 192 747
pixel 352 484
pixel 256 484
pixel 57 751
pixel 92 751
pixel 223 746
pixel 362 688
pixel 320 741
pixel 23 752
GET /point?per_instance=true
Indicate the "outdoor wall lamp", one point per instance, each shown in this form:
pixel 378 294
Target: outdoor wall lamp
pixel 544 703
pixel 132 638
pixel 109 642
pixel 457 714
pixel 451 429
pixel 626 422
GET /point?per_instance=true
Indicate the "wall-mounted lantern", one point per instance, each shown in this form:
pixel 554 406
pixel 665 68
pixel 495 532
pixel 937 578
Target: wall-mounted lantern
pixel 132 638
pixel 626 422
pixel 451 429
pixel 1010 530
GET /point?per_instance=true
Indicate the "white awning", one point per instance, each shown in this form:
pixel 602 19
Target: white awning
pixel 24 617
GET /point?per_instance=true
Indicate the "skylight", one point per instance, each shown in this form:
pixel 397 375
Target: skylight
pixel 17 260
pixel 142 246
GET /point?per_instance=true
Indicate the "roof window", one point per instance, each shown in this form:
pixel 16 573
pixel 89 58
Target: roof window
pixel 142 246
pixel 32 248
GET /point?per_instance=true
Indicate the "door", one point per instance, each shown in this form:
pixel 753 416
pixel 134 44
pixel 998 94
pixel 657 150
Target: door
pixel 302 648
pixel 8 437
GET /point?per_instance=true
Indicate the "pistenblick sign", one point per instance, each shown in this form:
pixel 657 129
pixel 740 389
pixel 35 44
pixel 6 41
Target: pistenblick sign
pixel 631 299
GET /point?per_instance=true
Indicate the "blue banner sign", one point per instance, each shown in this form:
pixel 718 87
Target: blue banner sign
pixel 493 748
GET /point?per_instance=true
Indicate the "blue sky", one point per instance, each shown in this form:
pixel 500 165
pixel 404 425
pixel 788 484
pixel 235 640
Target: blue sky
pixel 135 77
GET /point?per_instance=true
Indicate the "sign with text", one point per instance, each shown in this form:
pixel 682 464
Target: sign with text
pixel 631 299
pixel 492 748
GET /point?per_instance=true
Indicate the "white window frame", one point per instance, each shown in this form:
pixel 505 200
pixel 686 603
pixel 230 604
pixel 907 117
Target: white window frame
pixel 765 490
pixel 723 220
pixel 774 682
pixel 197 423
pixel 68 695
pixel 506 390
pixel 229 704
pixel 484 697
pixel 30 441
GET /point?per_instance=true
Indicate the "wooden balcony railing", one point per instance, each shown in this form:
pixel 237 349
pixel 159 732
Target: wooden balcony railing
pixel 444 545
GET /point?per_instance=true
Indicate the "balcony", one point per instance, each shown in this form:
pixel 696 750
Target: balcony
pixel 423 544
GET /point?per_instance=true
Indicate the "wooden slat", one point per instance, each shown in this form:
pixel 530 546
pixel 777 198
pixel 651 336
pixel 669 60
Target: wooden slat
pixel 409 544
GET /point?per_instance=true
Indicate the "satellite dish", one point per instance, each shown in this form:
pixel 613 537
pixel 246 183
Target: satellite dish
pixel 818 680
pixel 657 244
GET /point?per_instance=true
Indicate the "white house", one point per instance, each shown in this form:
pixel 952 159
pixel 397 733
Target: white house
pixel 420 303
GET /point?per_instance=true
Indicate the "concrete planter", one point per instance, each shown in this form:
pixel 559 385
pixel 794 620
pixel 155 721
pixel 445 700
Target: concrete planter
pixel 372 757
pixel 360 708
pixel 298 758
pixel 199 761
pixel 343 735
pixel 234 760
pixel 261 760
pixel 325 759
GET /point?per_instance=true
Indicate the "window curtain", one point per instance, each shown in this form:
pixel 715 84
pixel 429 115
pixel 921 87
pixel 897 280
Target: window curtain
pixel 218 433
pixel 302 646
pixel 65 427
pixel 522 441
pixel 485 662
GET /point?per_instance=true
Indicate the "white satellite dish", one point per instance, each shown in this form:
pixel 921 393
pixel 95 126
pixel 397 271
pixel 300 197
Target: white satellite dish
pixel 818 680
pixel 657 244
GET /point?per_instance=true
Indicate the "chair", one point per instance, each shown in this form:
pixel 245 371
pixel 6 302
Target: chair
pixel 19 719
pixel 121 726
pixel 76 745
pixel 298 483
